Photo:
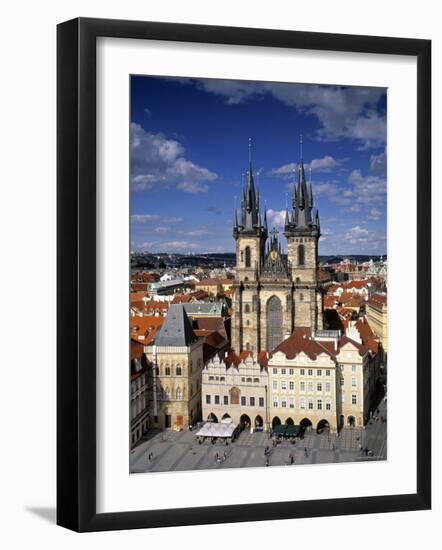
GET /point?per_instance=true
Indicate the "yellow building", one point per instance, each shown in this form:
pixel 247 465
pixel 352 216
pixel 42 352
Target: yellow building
pixel 321 380
pixel 377 316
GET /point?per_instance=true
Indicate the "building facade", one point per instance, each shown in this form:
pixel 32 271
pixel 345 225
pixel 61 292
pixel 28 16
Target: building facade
pixel 275 292
pixel 235 387
pixel 177 362
pixel 377 316
pixel 322 379
pixel 139 409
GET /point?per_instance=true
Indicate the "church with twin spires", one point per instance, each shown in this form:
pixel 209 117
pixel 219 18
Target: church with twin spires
pixel 275 292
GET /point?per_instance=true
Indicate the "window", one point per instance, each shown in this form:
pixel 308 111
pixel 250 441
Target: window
pixel 353 368
pixel 216 399
pixel 327 372
pixel 275 371
pixel 302 403
pixel 301 254
pixel 291 403
pixel 256 380
pixel 211 378
pixel 310 387
pixel 252 401
pixel 249 379
pixel 179 394
pixel 178 371
pixel 291 386
pixel 341 380
pixel 328 405
pixel 353 382
pixel 226 400
pixel 248 256
pixel 310 404
pixel 319 404
pixel 222 379
pixel 242 255
pixel 301 297
pixel 275 384
pixel 291 372
pixel 319 372
pixel 319 386
pixel 283 385
pixel 284 403
pixel 261 401
pixel 275 402
pixel 327 387
pixel 167 371
pixel 283 371
pixel 353 399
pixel 243 379
pixel 302 386
pixel 302 372
pixel 243 401
pixel 310 372
pixel 207 399
pixel 247 308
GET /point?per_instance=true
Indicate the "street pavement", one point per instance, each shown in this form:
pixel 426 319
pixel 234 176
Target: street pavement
pixel 179 451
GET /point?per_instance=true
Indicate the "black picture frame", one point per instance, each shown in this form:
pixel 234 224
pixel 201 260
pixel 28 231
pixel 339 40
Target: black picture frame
pixel 76 274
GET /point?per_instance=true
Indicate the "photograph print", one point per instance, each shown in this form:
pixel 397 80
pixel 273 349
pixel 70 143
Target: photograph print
pixel 258 274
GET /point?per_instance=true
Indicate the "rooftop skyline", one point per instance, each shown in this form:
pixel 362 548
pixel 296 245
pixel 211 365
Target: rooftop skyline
pixel 190 153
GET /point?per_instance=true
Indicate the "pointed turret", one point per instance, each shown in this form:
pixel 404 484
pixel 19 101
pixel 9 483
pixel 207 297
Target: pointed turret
pixel 303 218
pixel 250 213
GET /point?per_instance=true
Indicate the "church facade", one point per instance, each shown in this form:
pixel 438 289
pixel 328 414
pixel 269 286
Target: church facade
pixel 275 292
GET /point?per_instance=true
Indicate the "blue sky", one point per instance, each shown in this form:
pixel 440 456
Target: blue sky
pixel 189 151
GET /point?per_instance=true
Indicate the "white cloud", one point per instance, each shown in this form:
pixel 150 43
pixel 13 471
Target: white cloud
pixel 177 245
pixel 378 164
pixel 284 170
pixel 148 218
pixel 276 217
pixel 326 164
pixel 347 112
pixel 158 161
pixel 162 229
pixel 374 214
pixel 357 235
pixel 198 233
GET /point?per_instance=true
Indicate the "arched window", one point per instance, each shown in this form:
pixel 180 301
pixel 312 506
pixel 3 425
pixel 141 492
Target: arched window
pixel 179 371
pixel 247 308
pixel 248 256
pixel 179 394
pixel 301 297
pixel 167 371
pixel 301 254
pixel 242 255
pixel 274 322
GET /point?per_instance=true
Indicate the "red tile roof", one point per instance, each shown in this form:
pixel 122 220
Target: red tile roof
pixel 378 301
pixel 146 326
pixel 299 342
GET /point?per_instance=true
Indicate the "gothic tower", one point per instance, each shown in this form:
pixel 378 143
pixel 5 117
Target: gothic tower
pixel 250 235
pixel 275 292
pixel 302 229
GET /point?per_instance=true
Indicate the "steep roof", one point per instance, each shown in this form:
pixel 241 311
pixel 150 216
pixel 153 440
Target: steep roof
pixel 299 341
pixel 177 328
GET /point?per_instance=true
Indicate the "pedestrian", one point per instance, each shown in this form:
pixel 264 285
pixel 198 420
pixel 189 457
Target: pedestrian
pixel 333 447
pixel 292 459
pixel 305 452
pixel 267 462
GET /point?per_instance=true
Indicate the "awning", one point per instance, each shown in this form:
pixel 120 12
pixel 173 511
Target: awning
pixel 216 429
pixel 279 429
pixel 292 430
